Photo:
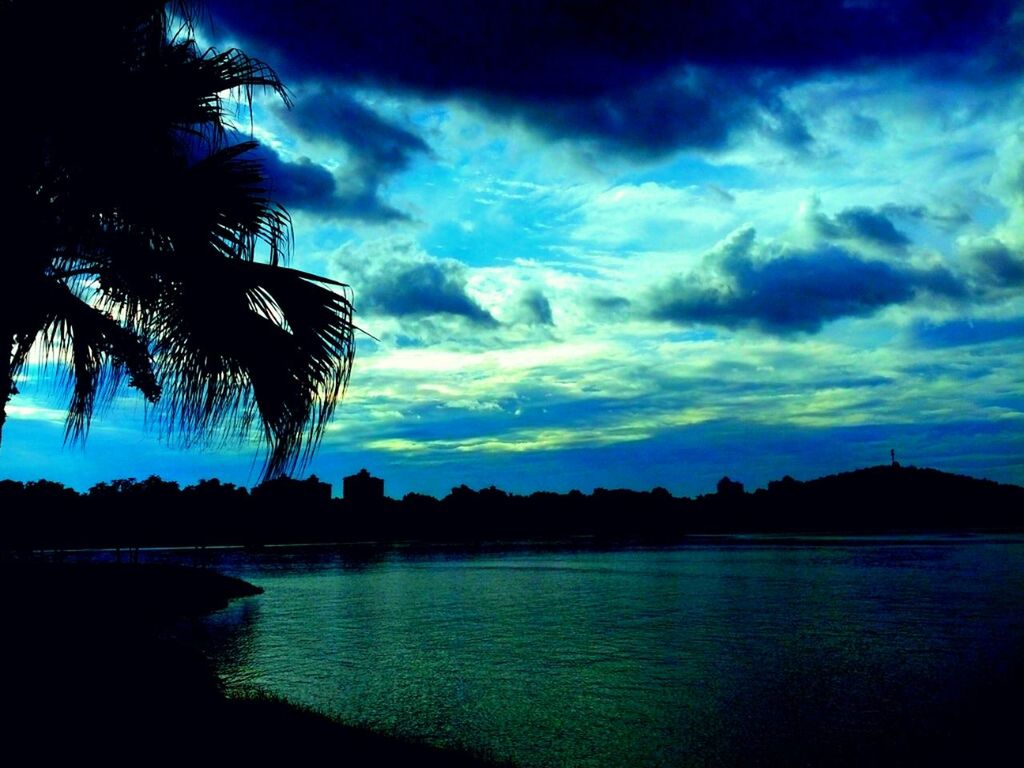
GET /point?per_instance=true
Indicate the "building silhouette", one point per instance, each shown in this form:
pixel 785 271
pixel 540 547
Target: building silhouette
pixel 286 490
pixel 363 488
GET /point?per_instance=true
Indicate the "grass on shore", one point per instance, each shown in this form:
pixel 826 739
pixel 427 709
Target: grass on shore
pixel 318 732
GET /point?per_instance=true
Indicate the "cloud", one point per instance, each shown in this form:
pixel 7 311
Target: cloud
pixel 640 77
pixel 604 307
pixel 425 288
pixel 864 128
pixel 329 114
pixel 376 150
pixel 780 290
pixel 396 278
pixel 950 218
pixel 859 224
pixel 301 184
pixel 535 309
pixel 545 49
pixel 957 333
pixel 306 185
pixel 996 264
pixel 696 108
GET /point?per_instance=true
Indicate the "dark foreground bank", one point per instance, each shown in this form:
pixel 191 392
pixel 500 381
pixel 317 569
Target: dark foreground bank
pixel 88 672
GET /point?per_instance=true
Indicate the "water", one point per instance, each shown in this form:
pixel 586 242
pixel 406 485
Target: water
pixel 729 651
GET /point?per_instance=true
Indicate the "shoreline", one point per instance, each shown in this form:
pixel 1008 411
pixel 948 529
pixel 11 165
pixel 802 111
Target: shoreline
pixel 207 559
pixel 87 671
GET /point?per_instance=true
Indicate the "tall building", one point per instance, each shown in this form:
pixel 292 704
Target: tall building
pixel 363 488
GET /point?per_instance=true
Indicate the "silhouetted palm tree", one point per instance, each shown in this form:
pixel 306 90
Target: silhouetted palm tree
pixel 140 241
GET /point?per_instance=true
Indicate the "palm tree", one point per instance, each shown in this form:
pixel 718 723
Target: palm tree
pixel 141 243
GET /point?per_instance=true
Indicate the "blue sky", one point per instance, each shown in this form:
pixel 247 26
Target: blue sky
pixel 648 248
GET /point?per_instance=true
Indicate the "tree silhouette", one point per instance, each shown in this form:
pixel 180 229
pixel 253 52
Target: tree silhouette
pixel 141 242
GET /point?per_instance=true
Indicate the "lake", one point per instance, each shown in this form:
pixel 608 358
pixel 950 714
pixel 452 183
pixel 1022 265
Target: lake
pixel 725 651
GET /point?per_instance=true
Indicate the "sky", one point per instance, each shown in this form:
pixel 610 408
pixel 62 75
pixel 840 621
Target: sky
pixel 634 244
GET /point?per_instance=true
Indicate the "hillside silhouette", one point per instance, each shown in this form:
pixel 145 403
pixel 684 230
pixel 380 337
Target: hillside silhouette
pixel 128 514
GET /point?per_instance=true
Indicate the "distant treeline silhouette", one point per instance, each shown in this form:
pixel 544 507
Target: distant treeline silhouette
pixel 156 512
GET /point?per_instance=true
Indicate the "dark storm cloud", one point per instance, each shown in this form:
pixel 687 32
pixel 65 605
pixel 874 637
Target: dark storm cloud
pixel 308 186
pixel 326 113
pixel 698 108
pixel 863 224
pixel 784 291
pixel 377 150
pixel 531 49
pixel 610 71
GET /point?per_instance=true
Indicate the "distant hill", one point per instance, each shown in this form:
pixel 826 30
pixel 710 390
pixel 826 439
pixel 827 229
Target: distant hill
pixel 888 497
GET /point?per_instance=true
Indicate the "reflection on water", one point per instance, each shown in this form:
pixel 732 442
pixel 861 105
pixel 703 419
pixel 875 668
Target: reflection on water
pixel 730 651
pixel 227 638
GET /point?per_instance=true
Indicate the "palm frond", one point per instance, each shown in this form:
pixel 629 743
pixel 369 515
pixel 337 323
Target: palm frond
pixel 186 87
pixel 149 223
pixel 98 353
pixel 231 206
pixel 252 342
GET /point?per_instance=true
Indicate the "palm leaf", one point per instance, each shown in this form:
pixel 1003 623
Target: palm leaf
pixel 147 222
pixel 96 350
pixel 248 341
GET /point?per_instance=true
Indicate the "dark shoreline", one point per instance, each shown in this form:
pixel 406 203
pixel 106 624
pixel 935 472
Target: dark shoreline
pixel 87 670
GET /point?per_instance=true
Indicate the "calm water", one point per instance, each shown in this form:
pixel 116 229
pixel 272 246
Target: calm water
pixel 723 652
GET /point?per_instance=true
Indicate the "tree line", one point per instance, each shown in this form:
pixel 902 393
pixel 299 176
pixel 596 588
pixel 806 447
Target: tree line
pixel 133 513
